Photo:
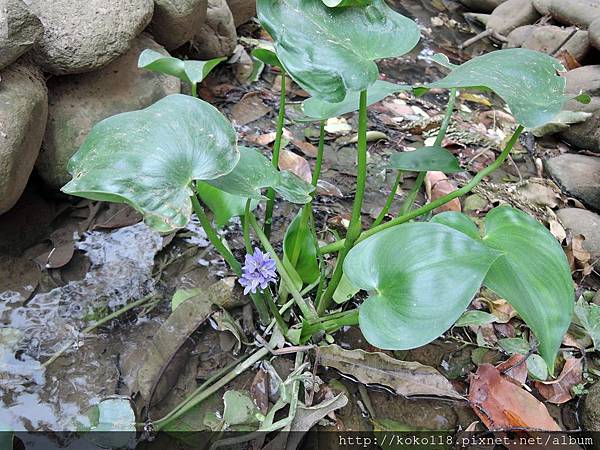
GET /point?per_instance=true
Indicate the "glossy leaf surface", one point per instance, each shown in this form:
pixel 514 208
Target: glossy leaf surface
pixel 224 206
pixel 320 109
pixel 192 72
pixel 255 172
pixel 329 51
pixel 424 159
pixel 307 265
pixel 421 276
pixel 526 80
pixel 266 56
pixel 149 158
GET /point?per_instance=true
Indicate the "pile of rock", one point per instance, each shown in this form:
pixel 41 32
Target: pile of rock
pixel 87 51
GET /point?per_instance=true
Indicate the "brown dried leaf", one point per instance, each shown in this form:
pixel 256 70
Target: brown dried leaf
pixel 260 390
pixel 248 109
pixel 559 390
pixel 502 403
pixel 514 367
pixel 260 139
pixel 306 147
pixel 437 185
pixel 296 164
pixel 326 188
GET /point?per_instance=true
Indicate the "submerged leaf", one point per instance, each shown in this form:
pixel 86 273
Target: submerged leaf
pixel 404 377
pixel 406 308
pixel 192 72
pixel 149 158
pixel 526 80
pixel 329 51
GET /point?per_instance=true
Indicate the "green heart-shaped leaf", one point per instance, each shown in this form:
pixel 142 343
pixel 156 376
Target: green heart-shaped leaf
pixel 422 276
pixel 532 274
pixel 192 72
pixel 307 265
pixel 526 80
pixel 266 56
pixel 224 206
pixel 149 158
pixel 255 172
pixel 329 51
pixel 424 159
pixel 319 109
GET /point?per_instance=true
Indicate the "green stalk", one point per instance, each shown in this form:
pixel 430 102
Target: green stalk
pixel 389 200
pixel 338 245
pixel 306 310
pixel 233 263
pixel 246 226
pixel 412 195
pixel 194 90
pixel 275 158
pixel 355 227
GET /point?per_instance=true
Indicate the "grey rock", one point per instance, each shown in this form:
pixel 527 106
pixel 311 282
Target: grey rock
pixel 582 221
pixel 78 102
pixel 23 115
pixel 518 36
pixel 19 30
pixel 585 135
pixel 579 176
pixel 542 6
pixel 175 22
pixel 512 14
pixel 244 10
pixel 580 13
pixel 85 35
pixel 583 79
pixel 484 6
pixel 218 36
pixel 591 411
pixel 549 38
pixel 594 31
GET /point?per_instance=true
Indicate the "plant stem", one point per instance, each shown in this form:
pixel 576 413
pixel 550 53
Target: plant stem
pixel 389 200
pixel 194 90
pixel 246 225
pixel 233 263
pixel 306 310
pixel 338 245
pixel 355 227
pixel 412 195
pixel 275 158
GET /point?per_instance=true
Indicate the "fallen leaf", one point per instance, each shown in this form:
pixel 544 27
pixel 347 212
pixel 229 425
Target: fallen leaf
pixel 578 257
pixel 589 318
pixel 337 125
pixel 371 137
pixel 437 185
pixel 260 390
pixel 475 98
pixel 116 215
pixel 296 164
pixel 61 252
pixel 248 109
pixel 261 139
pixel 559 390
pixel 404 377
pixel 514 367
pixel 502 403
pixel 567 59
pixel 326 188
pixel 306 147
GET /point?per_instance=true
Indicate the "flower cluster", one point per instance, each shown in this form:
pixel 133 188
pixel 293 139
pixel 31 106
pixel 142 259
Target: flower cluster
pixel 258 271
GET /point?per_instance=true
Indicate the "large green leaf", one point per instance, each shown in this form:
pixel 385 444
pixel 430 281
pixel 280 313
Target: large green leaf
pixel 319 109
pixel 148 158
pixel 255 172
pixel 532 274
pixel 329 51
pixel 190 71
pixel 307 265
pixel 224 206
pixel 421 276
pixel 424 159
pixel 526 80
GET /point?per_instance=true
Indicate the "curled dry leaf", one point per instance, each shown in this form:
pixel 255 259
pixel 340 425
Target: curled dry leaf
pixel 559 390
pixel 337 125
pixel 437 185
pixel 501 403
pixel 514 367
pixel 326 188
pixel 579 258
pixel 260 390
pixel 296 164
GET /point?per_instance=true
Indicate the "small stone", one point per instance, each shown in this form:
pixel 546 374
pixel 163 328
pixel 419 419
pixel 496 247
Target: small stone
pixel 217 36
pixel 175 22
pixel 582 221
pixel 78 102
pixel 512 14
pixel 85 35
pixel 23 114
pixel 579 176
pixel 594 31
pixel 591 410
pixel 19 31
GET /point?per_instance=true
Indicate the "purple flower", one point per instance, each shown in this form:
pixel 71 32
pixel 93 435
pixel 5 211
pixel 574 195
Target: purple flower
pixel 258 271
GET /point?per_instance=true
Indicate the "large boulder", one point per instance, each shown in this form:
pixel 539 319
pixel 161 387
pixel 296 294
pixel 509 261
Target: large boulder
pixel 85 35
pixel 580 13
pixel 542 6
pixel 78 102
pixel 512 14
pixel 585 135
pixel 175 22
pixel 582 221
pixel 594 30
pixel 21 29
pixel 578 175
pixel 23 115
pixel 244 10
pixel 549 38
pixel 217 36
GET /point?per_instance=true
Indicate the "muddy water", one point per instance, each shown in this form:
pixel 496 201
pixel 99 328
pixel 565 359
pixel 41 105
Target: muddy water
pixel 115 267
